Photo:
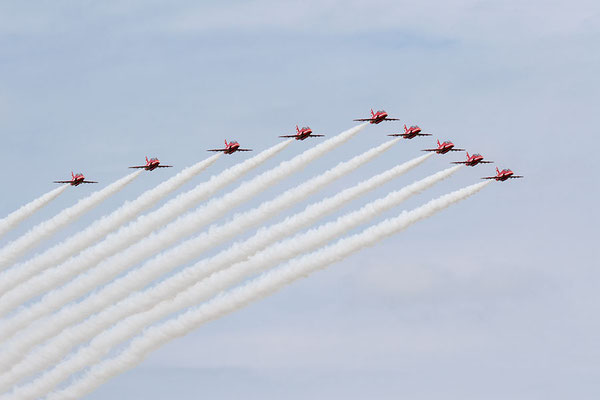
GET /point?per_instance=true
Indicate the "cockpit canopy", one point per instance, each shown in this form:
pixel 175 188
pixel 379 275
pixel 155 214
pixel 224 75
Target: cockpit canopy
pixel 476 155
pixel 414 127
pixel 380 111
pixel 305 128
pixel 153 159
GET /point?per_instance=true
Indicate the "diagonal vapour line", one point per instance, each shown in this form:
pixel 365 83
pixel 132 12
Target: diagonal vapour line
pixel 16 217
pixel 158 335
pixel 118 241
pixel 166 237
pixel 190 249
pixel 189 291
pixel 17 248
pixel 100 228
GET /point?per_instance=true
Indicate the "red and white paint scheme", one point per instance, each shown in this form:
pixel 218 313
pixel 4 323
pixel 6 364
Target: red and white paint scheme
pixel 503 175
pixel 444 147
pixel 231 147
pixel 473 160
pixel 76 179
pixel 411 132
pixel 302 134
pixel 377 117
pixel 152 164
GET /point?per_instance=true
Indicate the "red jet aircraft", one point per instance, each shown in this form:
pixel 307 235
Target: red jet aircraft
pixel 76 179
pixel 152 164
pixel 302 134
pixel 377 117
pixel 503 175
pixel 231 147
pixel 445 147
pixel 473 160
pixel 411 132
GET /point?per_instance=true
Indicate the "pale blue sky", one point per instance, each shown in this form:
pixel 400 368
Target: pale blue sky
pixel 494 298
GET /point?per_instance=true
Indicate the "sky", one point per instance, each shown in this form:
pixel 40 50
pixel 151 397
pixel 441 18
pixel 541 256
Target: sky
pixel 494 298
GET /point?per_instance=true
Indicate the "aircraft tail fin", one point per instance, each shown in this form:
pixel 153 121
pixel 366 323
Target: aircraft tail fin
pixel 405 128
pixel 467 154
pixel 225 142
pixel 72 175
pixel 372 113
pixel 438 142
pixel 297 130
pixel 146 159
pixel 497 170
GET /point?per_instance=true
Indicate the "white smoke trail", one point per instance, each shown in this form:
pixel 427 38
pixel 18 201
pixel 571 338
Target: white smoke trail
pixel 183 285
pixel 16 217
pixel 97 230
pixel 190 223
pixel 156 336
pixel 15 249
pixel 116 242
pixel 138 278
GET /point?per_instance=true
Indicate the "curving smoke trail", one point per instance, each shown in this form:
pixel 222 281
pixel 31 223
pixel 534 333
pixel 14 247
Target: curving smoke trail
pixel 188 290
pixel 97 230
pixel 16 217
pixel 156 336
pixel 120 240
pixel 187 225
pixel 17 248
pixel 158 266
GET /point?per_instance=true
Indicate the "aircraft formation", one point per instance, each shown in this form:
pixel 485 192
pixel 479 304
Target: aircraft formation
pixel 116 283
pixel 306 132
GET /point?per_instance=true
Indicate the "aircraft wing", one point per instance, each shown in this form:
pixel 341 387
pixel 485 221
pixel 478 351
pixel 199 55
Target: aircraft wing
pixel 216 150
pixel 139 166
pixel 164 166
pixel 363 119
pixel 391 119
pixel 489 177
pixel 458 162
pixel 430 150
pixel 396 134
pixel 486 162
pixel 89 182
pixel 456 150
pixel 244 150
pixel 286 136
pixel 311 135
pixel 516 176
pixel 62 181
pixel 423 134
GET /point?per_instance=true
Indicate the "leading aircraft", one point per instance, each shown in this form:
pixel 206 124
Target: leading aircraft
pixel 503 175
pixel 231 147
pixel 445 147
pixel 302 134
pixel 411 132
pixel 76 179
pixel 152 164
pixel 377 117
pixel 473 160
